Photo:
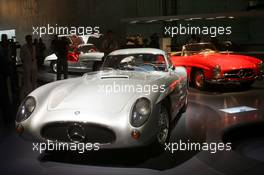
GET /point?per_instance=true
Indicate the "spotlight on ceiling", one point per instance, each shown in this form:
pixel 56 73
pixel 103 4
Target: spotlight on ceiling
pixel 220 17
pixel 150 21
pixel 170 20
pixel 134 22
pixel 211 18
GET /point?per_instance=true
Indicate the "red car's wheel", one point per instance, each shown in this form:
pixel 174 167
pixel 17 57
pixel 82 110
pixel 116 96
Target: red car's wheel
pixel 199 80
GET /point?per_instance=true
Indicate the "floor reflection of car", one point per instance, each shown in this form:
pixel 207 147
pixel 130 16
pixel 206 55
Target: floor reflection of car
pixel 81 57
pixel 206 65
pixel 131 102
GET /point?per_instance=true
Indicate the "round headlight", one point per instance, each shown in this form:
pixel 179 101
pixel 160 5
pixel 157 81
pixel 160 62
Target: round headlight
pixel 26 109
pixel 141 112
pixel 217 71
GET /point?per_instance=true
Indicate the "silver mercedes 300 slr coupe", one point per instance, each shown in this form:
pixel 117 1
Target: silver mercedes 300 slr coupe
pixel 132 101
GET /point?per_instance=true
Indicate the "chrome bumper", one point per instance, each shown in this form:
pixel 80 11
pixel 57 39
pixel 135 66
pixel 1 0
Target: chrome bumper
pixel 233 81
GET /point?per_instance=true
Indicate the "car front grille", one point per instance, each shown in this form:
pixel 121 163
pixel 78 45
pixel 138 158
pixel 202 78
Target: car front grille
pixel 239 73
pixel 77 132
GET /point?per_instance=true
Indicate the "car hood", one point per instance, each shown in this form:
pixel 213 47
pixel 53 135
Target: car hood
pixel 228 61
pixel 92 91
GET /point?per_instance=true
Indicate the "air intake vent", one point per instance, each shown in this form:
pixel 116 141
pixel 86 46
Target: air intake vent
pixel 115 77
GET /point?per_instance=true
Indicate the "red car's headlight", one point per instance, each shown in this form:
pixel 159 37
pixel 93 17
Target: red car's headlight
pixel 217 71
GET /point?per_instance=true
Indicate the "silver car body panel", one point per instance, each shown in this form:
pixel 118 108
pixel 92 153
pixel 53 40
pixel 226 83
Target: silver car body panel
pixel 81 100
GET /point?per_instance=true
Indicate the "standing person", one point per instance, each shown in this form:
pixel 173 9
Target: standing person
pixel 61 51
pixel 139 41
pixel 5 103
pixel 194 39
pixel 13 73
pixel 35 43
pixel 53 43
pixel 28 57
pixel 154 41
pixel 6 51
pixel 145 43
pixel 41 52
pixel 109 44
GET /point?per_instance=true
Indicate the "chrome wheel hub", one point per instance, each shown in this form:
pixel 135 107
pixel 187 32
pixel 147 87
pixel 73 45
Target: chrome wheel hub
pixel 199 79
pixel 163 126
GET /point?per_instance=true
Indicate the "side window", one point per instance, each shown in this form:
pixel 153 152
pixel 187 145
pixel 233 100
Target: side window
pixel 160 59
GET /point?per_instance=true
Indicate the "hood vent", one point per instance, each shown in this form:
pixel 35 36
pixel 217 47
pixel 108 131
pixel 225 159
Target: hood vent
pixel 115 77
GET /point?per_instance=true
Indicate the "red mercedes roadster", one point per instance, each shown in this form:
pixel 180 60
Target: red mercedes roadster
pixel 206 65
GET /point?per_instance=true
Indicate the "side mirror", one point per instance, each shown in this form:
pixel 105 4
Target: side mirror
pixel 172 68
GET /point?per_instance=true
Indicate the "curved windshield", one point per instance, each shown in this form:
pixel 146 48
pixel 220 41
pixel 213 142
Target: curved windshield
pixel 197 48
pixel 135 62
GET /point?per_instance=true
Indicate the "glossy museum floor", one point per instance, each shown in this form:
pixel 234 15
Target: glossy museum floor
pixel 203 122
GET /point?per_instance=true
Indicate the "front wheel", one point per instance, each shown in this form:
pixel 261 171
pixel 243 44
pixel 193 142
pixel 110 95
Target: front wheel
pixel 199 80
pixel 163 126
pixel 53 66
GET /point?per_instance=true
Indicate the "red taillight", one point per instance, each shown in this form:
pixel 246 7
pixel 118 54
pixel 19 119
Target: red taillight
pixel 73 57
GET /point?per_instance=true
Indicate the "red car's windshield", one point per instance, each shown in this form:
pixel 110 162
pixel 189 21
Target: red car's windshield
pixel 196 48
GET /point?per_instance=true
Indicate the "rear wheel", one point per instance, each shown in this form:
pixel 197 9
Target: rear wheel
pixel 199 80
